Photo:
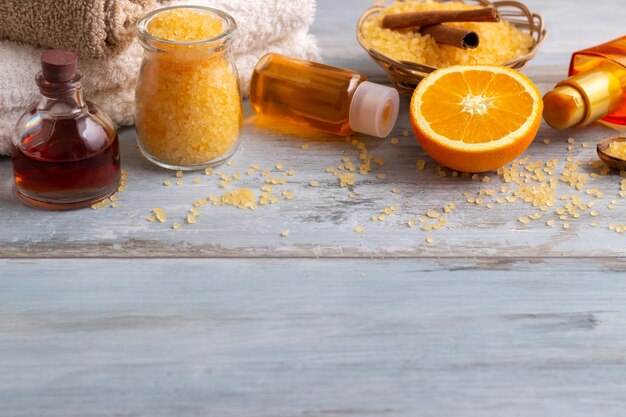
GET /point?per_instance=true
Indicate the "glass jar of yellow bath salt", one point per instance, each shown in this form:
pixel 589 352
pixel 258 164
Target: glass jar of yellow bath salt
pixel 188 112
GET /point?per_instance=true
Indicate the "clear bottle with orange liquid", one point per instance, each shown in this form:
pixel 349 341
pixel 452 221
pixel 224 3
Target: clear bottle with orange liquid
pixel 596 89
pixel 325 98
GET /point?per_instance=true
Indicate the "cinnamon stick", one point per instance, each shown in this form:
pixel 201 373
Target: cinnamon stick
pixel 433 17
pixel 448 35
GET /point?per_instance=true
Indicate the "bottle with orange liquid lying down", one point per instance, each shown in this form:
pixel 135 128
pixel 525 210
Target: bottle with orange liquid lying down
pixel 595 90
pixel 322 97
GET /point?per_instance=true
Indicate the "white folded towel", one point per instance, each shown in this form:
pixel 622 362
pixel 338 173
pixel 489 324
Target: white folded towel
pixel 264 26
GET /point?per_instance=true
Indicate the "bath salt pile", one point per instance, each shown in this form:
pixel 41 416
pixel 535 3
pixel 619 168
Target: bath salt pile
pixel 263 26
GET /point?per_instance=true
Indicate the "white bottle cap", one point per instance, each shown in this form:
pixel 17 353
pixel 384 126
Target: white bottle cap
pixel 374 109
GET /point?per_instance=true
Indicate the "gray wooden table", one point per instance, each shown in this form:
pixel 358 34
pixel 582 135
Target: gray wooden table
pixel 103 313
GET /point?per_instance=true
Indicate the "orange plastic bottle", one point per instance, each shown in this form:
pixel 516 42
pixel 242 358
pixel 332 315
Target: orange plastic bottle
pixel 595 90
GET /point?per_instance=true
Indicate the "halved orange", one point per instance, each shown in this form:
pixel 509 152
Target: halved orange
pixel 475 118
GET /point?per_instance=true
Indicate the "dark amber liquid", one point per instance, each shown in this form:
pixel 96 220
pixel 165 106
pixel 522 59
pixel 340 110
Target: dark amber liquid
pixel 66 163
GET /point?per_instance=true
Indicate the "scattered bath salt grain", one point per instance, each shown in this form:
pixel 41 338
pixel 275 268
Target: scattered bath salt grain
pixel 570 140
pixel 151 218
pixel 176 226
pixel 358 229
pixel 565 225
pixel 191 219
pixel 159 214
pixel 285 233
pixel 381 176
pixel 196 180
pixel 395 190
pixel 405 133
pixel 304 146
pixel 314 183
pixel 180 182
pixel 430 240
pixel 550 222
pixel 546 141
pixel 394 141
pixel 167 183
pixel 179 174
pixel 208 171
pixel 421 164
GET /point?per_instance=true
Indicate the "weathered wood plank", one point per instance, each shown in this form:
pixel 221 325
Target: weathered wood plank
pixel 329 338
pixel 321 220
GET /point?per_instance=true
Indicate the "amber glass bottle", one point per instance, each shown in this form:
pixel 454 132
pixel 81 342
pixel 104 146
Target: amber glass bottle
pixel 322 97
pixel 65 150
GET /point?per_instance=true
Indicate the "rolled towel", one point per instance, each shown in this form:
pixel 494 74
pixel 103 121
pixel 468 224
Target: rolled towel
pixel 112 85
pixel 91 28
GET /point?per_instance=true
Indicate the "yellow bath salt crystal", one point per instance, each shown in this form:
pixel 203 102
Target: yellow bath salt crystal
pixel 570 140
pixel 176 226
pixel 196 181
pixel 265 172
pixel 191 219
pixel 565 225
pixel 374 217
pixel 620 229
pixel 534 216
pixel 430 240
pixel 584 145
pixel 486 178
pixel 455 174
pixel 442 173
pixel 230 163
pixel 524 220
pixel 394 208
pixel 610 206
pixel 179 174
pixel 167 183
pixel 387 210
pixel 593 224
pixel 304 146
pixel 285 233
pixel 223 184
pixel 427 227
pixel 275 181
pixel 114 204
pixel 358 229
pixel 346 179
pixel 570 148
pixel 241 198
pixel 379 161
pixel 405 133
pixel 291 172
pixel 421 164
pixel 353 195
pixel 115 197
pixel 381 176
pixel 159 214
pixel 546 141
pixel 280 167
pixel 288 194
pixel 480 201
pixel 433 214
pixel 208 171
pixel 550 222
pixel 394 141
pixel 250 171
pixel 314 183
pixel 267 188
pixel 395 190
pixel 180 182
pixel 382 217
pixel 411 223
pixel 194 211
pixel 150 218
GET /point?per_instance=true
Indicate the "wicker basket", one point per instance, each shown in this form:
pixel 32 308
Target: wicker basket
pixel 406 75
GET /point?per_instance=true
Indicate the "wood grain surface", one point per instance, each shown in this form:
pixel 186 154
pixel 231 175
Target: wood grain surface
pixel 319 338
pixel 228 318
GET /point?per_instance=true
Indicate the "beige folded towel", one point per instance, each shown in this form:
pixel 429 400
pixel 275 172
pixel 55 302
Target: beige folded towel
pixel 91 28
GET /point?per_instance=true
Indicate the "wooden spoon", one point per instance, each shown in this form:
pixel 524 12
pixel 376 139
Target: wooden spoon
pixel 610 160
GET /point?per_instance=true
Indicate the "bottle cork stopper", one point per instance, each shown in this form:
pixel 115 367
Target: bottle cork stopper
pixel 58 65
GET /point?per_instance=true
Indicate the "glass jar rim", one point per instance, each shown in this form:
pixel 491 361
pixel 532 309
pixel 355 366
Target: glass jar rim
pixel 231 26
